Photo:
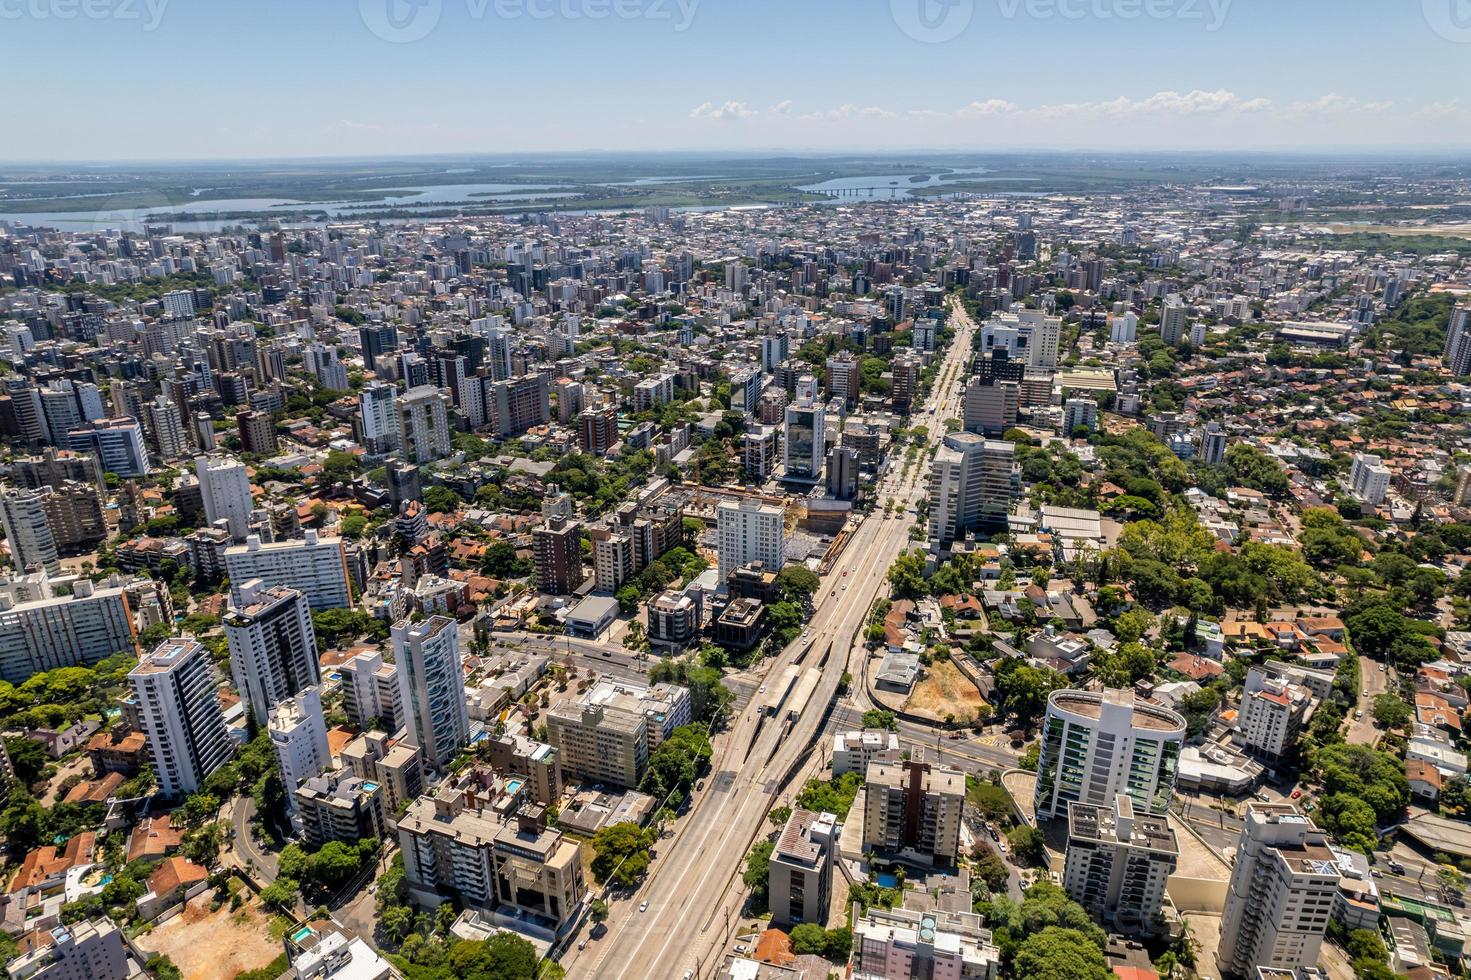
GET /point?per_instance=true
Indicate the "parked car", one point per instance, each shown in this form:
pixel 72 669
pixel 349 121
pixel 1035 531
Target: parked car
pixel 644 905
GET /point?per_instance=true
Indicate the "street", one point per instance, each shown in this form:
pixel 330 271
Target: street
pixel 694 891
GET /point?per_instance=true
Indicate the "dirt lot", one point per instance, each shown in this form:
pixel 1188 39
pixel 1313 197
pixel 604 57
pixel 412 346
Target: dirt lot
pixel 208 946
pixel 945 691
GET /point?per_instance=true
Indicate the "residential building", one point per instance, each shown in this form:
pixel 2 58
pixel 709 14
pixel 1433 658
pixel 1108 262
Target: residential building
pixel 225 489
pixel 316 565
pixel 913 808
pixel 77 630
pixel 747 531
pixel 338 805
pixel 1369 478
pixel 333 956
pixel 1118 864
pixel 377 340
pixel 853 751
pixel 378 421
pixel 539 762
pixel 392 764
pixel 179 710
pixel 674 618
pixel 1457 353
pixel 423 424
pixel 89 949
pixel 273 648
pixel 117 443
pixel 432 683
pixel 759 451
pixel 652 392
pixel 298 733
pixel 845 378
pixel 800 877
pixel 371 694
pixel 973 482
pixel 612 558
pixel 904 944
pixel 27 532
pixel 74 514
pixel 1274 711
pixel 170 437
pixel 1281 893
pixel 557 556
pixel 906 370
pixel 1213 444
pixel 607 735
pixel 597 430
pixel 257 432
pixel 1079 413
pixel 519 404
pixel 1029 336
pixel 1096 745
pixel 1172 322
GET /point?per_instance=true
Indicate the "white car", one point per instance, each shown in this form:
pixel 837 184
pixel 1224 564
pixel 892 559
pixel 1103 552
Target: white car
pixel 644 905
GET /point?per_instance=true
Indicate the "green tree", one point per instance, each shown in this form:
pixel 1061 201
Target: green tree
pixel 441 500
pixel 757 870
pixel 906 575
pixel 504 956
pixel 879 718
pixel 809 939
pixel 1028 844
pixel 1391 711
pixel 1060 954
pixel 622 853
pixel 797 583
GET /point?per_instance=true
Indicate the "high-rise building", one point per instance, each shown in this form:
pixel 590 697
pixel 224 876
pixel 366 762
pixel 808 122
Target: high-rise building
pixel 377 340
pixel 273 648
pixel 1096 745
pixel 323 361
pixel 845 378
pixel 170 437
pixel 1457 353
pixel 90 949
pixel 806 435
pixel 775 348
pixel 204 432
pixel 225 487
pixel 973 482
pixel 904 944
pixel 298 734
pixel 1213 444
pixel 1029 336
pixel 842 472
pixel 315 565
pixel 403 484
pixel 1369 478
pixel 1273 710
pixel 799 881
pixel 378 422
pixel 990 406
pixel 1280 896
pixel 1118 863
pixel 608 734
pixel 1172 320
pixel 179 709
pixel 913 806
pixel 906 369
pixel 557 556
pixel 432 683
pixel 117 443
pixel 27 532
pixel 77 630
pixel 612 558
pixel 747 531
pixel 423 416
pixel 519 404
pixel 372 696
pixel 1079 413
pixel 337 805
pixel 74 513
pixel 597 430
pixel 758 451
pixel 257 432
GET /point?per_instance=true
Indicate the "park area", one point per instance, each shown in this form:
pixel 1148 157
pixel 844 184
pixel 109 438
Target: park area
pixel 945 695
pixel 207 945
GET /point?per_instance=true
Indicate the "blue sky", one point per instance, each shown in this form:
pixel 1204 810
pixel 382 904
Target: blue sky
pixel 170 79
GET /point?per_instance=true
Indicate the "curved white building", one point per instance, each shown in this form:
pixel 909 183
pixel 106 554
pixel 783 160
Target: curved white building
pixel 1097 745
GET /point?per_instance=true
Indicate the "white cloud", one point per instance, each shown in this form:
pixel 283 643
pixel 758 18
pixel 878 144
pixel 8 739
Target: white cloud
pixel 729 110
pixel 782 108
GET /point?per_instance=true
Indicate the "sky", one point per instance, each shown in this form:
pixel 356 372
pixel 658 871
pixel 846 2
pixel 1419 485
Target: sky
pixel 106 80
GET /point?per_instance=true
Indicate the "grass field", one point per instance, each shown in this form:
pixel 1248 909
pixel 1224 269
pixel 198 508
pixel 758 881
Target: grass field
pixel 945 693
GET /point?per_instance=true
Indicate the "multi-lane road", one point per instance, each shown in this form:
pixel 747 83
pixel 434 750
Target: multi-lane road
pixel 694 888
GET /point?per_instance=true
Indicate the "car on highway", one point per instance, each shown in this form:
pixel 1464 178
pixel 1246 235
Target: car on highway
pixel 582 945
pixel 644 905
pixel 1396 867
pixel 762 690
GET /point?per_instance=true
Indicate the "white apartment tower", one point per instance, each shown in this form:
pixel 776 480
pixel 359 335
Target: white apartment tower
pixel 749 531
pixel 1280 895
pixel 315 565
pixel 298 733
pixel 273 649
pixel 973 481
pixel 179 708
pixel 225 488
pixel 371 692
pixel 1369 478
pixel 1172 320
pixel 169 433
pixel 1118 863
pixel 1096 745
pixel 378 418
pixel 1457 353
pixel 27 531
pixel 432 683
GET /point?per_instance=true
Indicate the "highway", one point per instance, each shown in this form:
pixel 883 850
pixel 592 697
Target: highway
pixel 694 890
